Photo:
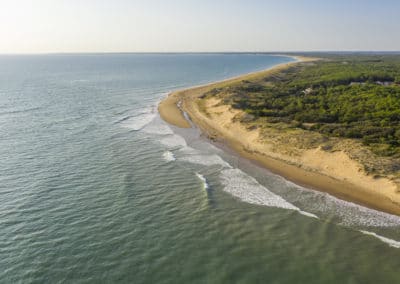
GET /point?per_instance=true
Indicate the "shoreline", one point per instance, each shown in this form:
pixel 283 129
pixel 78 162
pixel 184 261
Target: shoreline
pixel 302 172
pixel 172 113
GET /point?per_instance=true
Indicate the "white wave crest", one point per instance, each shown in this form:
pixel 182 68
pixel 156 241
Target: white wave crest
pixel 390 242
pixel 168 156
pixel 249 190
pixel 246 188
pixel 203 179
pixel 308 214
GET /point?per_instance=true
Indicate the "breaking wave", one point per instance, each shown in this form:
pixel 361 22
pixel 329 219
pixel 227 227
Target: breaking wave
pixel 247 189
pixel 203 180
pixel 390 242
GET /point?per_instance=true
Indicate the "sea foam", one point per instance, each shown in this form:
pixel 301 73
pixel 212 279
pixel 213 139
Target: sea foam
pixel 390 242
pixel 157 128
pixel 173 141
pixel 349 213
pixel 203 180
pixel 138 121
pixel 168 156
pixel 249 190
pixel 205 160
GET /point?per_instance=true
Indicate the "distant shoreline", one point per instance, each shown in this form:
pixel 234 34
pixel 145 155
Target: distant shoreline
pixel 172 113
pixel 348 184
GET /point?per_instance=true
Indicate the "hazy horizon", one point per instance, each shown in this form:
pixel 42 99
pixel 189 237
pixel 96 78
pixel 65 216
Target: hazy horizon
pixel 121 26
pixel 282 53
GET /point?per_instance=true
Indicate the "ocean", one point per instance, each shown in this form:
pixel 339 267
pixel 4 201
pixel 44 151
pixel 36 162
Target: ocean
pixel 96 188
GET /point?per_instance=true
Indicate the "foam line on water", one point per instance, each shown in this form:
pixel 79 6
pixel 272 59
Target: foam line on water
pixel 249 190
pixel 203 180
pixel 349 213
pixel 390 242
pixel 308 214
pixel 169 156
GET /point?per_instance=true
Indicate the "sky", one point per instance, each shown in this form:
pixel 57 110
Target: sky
pixel 55 26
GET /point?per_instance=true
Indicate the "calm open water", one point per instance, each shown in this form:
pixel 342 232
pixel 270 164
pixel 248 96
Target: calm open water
pixel 95 188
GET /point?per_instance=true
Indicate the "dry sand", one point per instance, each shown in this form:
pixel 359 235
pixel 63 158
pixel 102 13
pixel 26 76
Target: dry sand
pixel 333 172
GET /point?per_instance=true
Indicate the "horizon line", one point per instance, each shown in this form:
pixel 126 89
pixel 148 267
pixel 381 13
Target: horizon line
pixel 202 52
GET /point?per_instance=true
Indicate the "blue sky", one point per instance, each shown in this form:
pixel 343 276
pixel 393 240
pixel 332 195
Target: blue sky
pixel 40 26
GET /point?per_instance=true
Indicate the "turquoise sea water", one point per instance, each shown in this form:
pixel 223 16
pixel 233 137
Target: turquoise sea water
pixel 96 188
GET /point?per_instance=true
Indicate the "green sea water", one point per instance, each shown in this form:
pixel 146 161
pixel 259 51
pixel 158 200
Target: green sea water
pixel 96 188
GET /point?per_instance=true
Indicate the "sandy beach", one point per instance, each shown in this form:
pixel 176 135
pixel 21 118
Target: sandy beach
pixel 334 172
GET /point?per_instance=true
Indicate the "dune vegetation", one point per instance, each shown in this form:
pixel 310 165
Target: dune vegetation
pixel 349 96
